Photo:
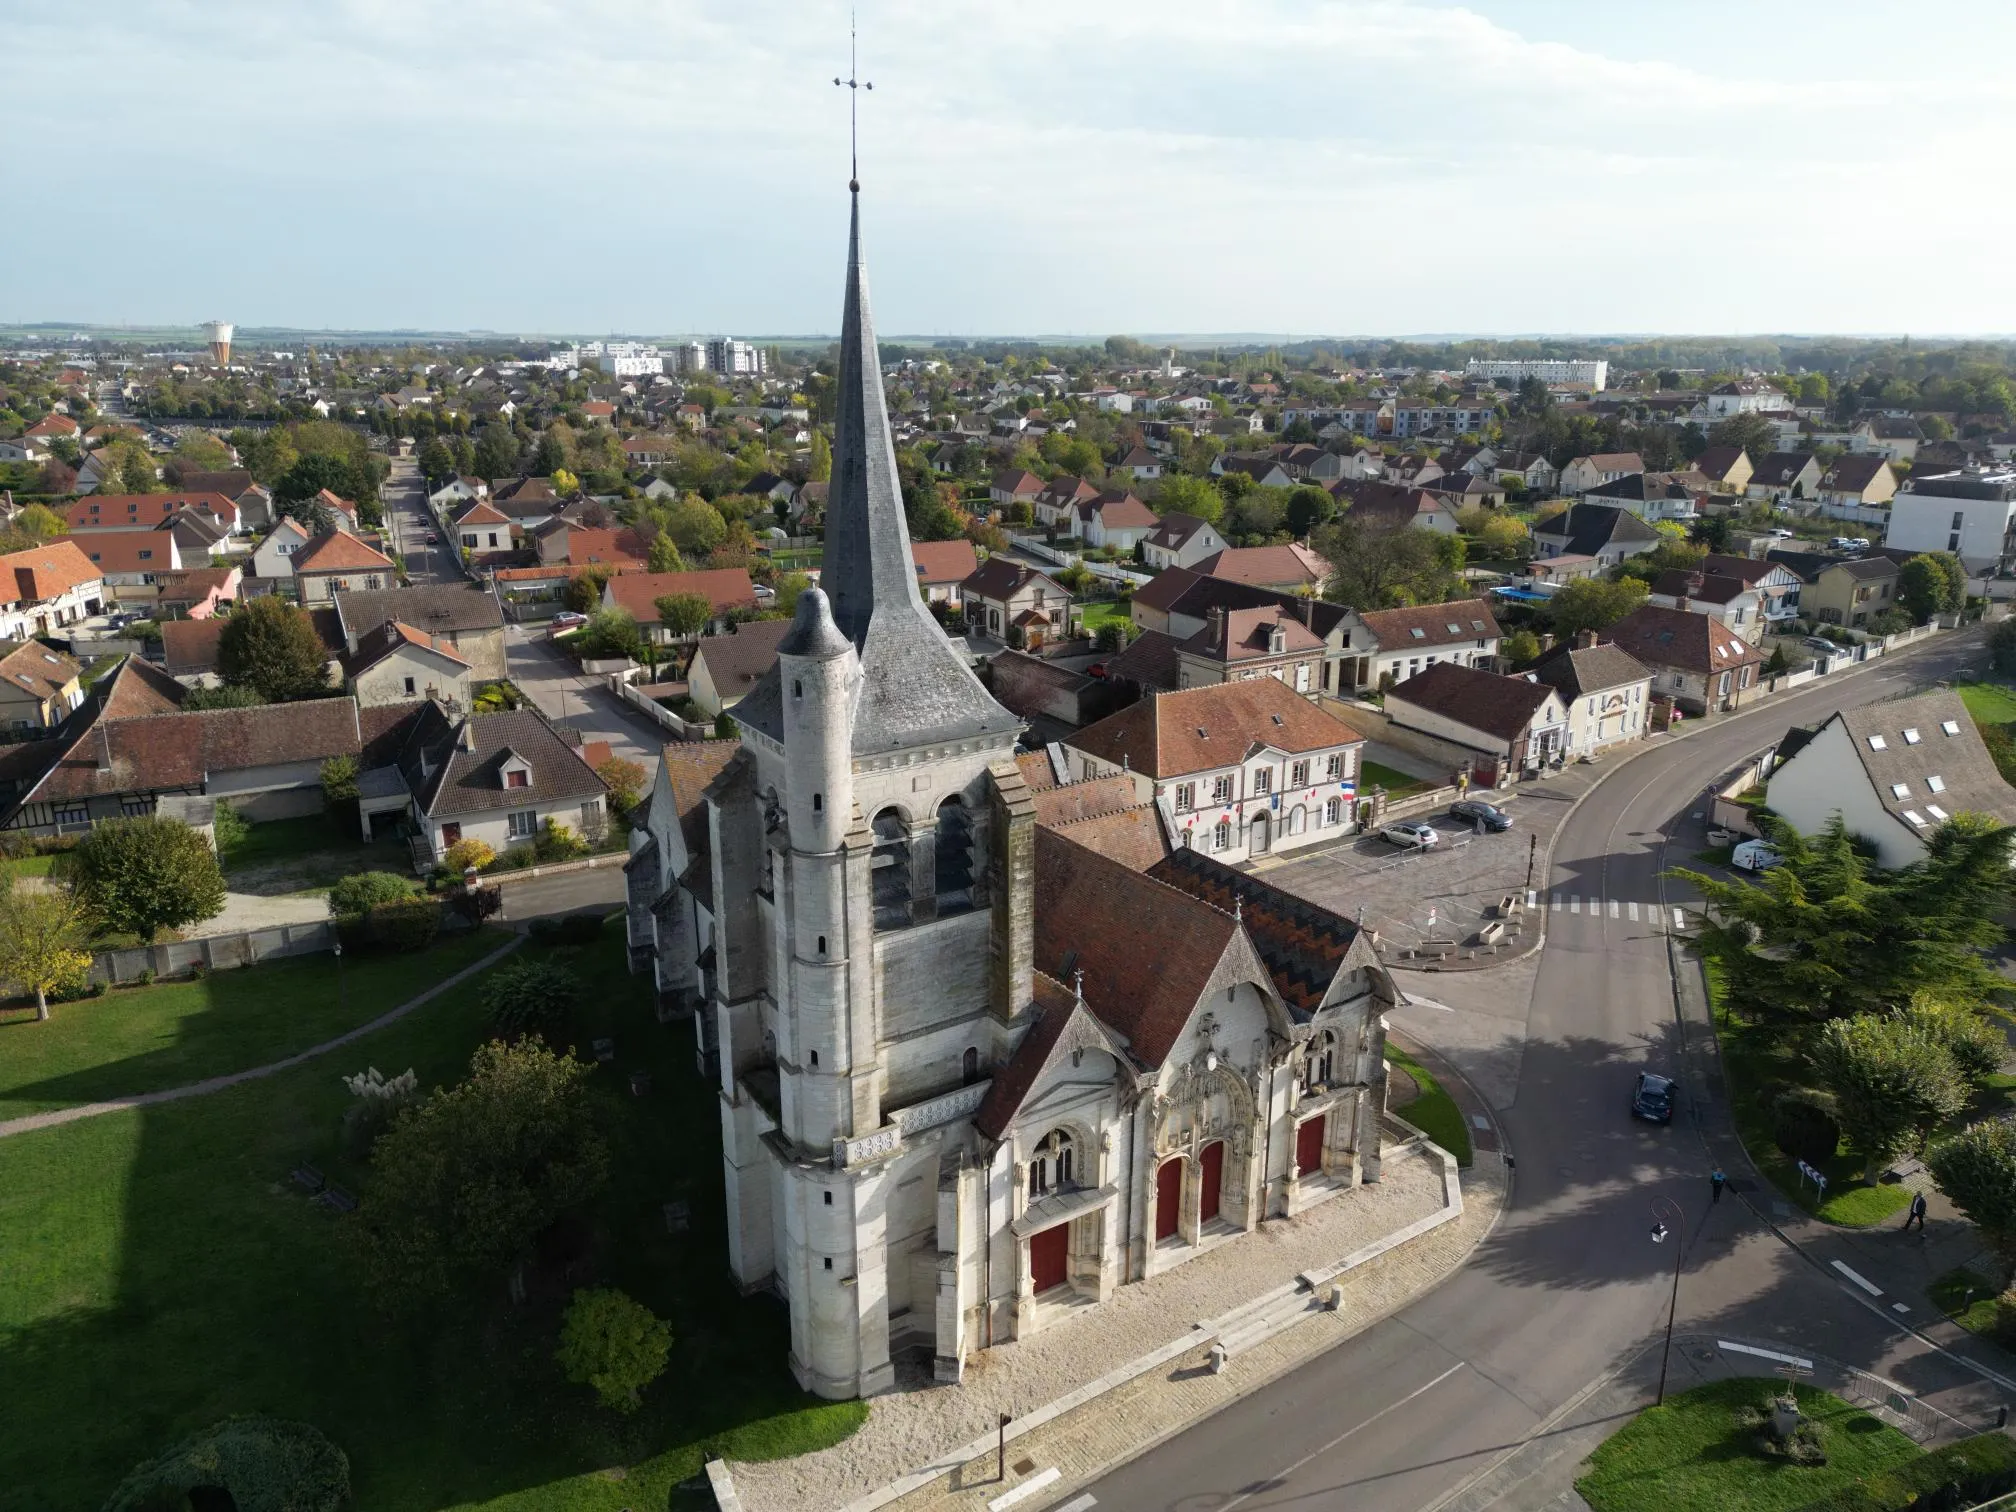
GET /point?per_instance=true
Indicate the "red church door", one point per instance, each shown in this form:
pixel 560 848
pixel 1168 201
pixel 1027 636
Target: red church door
pixel 1049 1254
pixel 1168 1197
pixel 1212 1173
pixel 1309 1146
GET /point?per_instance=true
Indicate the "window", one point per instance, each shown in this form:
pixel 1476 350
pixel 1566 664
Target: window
pixel 1915 817
pixel 1959 519
pixel 891 863
pixel 522 824
pixel 517 777
pixel 1320 1063
pixel 1221 836
pixel 1911 737
pixel 1333 767
pixel 953 854
pixel 1878 743
pixel 1949 726
pixel 1936 784
pixel 1221 789
pixel 1263 779
pixel 1054 1167
pixel 1418 633
pixel 1186 797
pixel 1333 811
pixel 969 1066
pixel 409 687
pixel 1302 677
pixel 1935 811
pixel 1298 775
pixel 1900 790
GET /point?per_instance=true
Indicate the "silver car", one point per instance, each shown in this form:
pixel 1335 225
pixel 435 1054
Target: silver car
pixel 1410 834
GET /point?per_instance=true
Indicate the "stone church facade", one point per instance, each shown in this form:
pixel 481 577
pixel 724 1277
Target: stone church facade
pixel 973 1074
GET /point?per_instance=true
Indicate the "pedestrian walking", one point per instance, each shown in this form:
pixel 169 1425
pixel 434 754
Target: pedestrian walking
pixel 1716 1181
pixel 1916 1213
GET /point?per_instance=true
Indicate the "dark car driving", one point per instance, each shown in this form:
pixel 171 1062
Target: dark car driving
pixel 1477 811
pixel 1653 1098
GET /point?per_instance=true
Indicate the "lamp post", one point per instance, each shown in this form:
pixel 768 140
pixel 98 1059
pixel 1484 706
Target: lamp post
pixel 1664 1208
pixel 342 993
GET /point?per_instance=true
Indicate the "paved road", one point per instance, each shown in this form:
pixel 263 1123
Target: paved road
pixel 1569 1284
pixel 581 703
pixel 408 523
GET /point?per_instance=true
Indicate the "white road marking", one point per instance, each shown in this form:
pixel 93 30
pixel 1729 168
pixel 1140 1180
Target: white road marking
pixel 1287 1470
pixel 1080 1503
pixel 1763 1354
pixel 1613 908
pixel 1575 903
pixel 1633 909
pixel 1679 919
pixel 1026 1490
pixel 1859 1279
pixel 1899 1307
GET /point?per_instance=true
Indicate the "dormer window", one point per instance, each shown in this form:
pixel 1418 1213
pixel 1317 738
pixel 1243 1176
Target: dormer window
pixel 517 777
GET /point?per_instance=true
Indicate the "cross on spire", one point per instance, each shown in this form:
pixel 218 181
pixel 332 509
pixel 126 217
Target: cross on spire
pixel 855 84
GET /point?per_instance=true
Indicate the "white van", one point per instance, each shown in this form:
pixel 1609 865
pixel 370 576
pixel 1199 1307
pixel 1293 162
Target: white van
pixel 1754 856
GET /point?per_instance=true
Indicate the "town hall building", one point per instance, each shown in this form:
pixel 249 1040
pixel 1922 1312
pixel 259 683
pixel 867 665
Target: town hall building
pixel 974 1075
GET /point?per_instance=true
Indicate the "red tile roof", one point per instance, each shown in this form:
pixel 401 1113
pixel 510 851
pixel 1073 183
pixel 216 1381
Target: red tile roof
pixel 941 563
pixel 1199 729
pixel 142 511
pixel 338 551
pixel 46 572
pixel 724 588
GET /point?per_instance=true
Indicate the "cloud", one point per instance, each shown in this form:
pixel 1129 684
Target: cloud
pixel 1275 165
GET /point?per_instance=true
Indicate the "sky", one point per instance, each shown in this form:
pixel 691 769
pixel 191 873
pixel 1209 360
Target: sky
pixel 1050 167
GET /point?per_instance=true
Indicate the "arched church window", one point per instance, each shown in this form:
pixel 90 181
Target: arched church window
pixel 970 1067
pixel 1054 1167
pixel 1319 1066
pixel 891 865
pixel 955 858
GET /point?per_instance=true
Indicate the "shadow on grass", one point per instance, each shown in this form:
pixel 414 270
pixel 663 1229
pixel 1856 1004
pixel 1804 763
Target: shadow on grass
pixel 163 1273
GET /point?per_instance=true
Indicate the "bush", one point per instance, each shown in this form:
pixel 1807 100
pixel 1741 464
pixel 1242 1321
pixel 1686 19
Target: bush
pixel 366 890
pixel 517 858
pixel 266 1465
pixel 408 923
pixel 568 929
pixel 2005 1317
pixel 228 829
pixel 144 875
pixel 529 996
pixel 464 854
pixel 1958 1475
pixel 1805 1129
pixel 556 842
pixel 612 1342
pixel 377 1103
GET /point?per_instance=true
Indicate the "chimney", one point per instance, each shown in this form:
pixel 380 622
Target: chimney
pixel 1584 639
pixel 1218 626
pixel 466 736
pixel 1277 638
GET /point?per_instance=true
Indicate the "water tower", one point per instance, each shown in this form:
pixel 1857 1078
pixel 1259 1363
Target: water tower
pixel 218 333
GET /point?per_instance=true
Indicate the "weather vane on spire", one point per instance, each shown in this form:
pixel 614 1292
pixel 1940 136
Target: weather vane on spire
pixel 855 85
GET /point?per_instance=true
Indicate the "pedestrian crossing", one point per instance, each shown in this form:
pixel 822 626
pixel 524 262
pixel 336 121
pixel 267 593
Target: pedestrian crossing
pixel 1623 910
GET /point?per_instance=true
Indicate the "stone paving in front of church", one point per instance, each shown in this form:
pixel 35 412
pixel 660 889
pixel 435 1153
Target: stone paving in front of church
pixel 921 1422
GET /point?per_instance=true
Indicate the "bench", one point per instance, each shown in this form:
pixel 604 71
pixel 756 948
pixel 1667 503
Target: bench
pixel 306 1176
pixel 337 1200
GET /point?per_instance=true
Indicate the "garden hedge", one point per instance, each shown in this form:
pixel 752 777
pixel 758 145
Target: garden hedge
pixel 267 1464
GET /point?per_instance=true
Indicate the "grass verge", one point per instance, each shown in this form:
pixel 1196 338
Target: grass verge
pixel 1704 1449
pixel 142 1039
pixel 162 1273
pixel 1434 1112
pixel 1966 1297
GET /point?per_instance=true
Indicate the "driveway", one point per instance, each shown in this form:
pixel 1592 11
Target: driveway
pixel 580 703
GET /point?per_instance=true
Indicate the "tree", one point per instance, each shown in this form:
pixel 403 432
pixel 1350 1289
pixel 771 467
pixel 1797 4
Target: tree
pixel 41 522
pixel 1308 507
pixel 626 782
pixel 339 779
pixel 1976 1169
pixel 820 469
pixel 684 614
pixel 132 465
pixel 1592 604
pixel 43 936
pixel 1930 584
pixel 2002 647
pixel 610 632
pixel 565 483
pixel 694 525
pixel 1892 1082
pixel 462 1185
pixel 664 555
pixel 437 462
pixel 1521 648
pixel 198 451
pixel 1751 431
pixel 270 646
pixel 313 473
pixel 1179 493
pixel 584 590
pixel 1381 567
pixel 143 875
pixel 614 1344
pixel 1504 537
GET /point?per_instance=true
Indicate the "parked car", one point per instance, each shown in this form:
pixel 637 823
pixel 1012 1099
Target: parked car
pixel 763 591
pixel 1820 644
pixel 1652 1098
pixel 1754 856
pixel 1858 543
pixel 1097 669
pixel 1410 834
pixel 567 619
pixel 433 538
pixel 1782 534
pixel 1477 811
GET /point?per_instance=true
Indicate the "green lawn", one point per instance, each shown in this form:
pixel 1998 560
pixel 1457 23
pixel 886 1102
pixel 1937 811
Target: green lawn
pixel 27 866
pixel 297 855
pixel 1106 612
pixel 1698 1454
pixel 1989 703
pixel 163 1273
pixel 1434 1112
pixel 1758 1060
pixel 141 1039
pixel 1975 1313
pixel 1398 784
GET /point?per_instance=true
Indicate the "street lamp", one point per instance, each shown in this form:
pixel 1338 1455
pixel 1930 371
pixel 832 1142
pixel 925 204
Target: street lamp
pixel 1662 1209
pixel 342 994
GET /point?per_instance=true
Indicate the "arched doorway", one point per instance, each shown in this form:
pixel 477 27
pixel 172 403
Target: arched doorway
pixel 1210 1180
pixel 1261 836
pixel 1168 1197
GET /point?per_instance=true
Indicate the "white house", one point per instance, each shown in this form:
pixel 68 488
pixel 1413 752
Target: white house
pixel 1511 724
pixel 1182 540
pixel 1585 473
pixel 1392 645
pixel 497 778
pixel 1606 691
pixel 398 664
pixel 274 556
pixel 1971 513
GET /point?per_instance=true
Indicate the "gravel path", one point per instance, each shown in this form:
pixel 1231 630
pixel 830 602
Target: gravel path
pixel 918 1421
pixel 50 1119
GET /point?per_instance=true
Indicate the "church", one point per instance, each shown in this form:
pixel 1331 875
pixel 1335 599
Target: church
pixel 987 1045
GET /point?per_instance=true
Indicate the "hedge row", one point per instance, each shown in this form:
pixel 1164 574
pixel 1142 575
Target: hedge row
pixel 1958 1475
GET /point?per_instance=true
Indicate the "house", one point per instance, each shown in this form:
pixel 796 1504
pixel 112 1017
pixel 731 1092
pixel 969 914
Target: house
pixel 727 590
pixel 1585 473
pixel 1529 470
pixel 1261 468
pixel 196 593
pixel 1785 475
pixel 53 427
pixel 130 560
pixel 254 500
pixel 1607 533
pixel 1461 490
pixel 1392 645
pixel 147 511
pixel 1652 496
pixel 336 561
pixel 1895 438
pixel 1970 512
pixel 497 778
pixel 1842 590
pixel 458 491
pixel 1179 604
pixel 561 540
pixel 1730 599
pixel 941 567
pixel 725 667
pixel 1014 602
pixel 1777 585
pixel 1727 468
pixel 1239 769
pixel 1606 691
pixel 1181 540
pixel 39 687
pixel 600 411
pixel 1293 568
pixel 1271 641
pixel 1397 506
pixel 1060 499
pixel 1513 724
pixel 461 616
pixel 1696 661
pixel 482 528
pixel 189 647
pixel 396 664
pixel 1013 486
pixel 342 512
pixel 1854 480
pixel 647 451
pixel 24 450
pixel 1115 520
pixel 47 587
pixel 1033 688
pixel 1142 463
pixel 273 558
pixel 1743 396
pixel 1893 772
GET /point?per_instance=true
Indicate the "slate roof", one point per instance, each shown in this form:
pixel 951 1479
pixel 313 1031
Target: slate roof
pixel 1588 528
pixel 232 483
pixel 1302 944
pixel 737 662
pixel 1708 587
pixel 1001 577
pixel 1497 705
pixel 1147 950
pixel 1697 643
pixel 1455 623
pixel 463 781
pixel 1247 635
pixel 1779 469
pixel 1854 472
pixel 1718 462
pixel 437 607
pixel 1752 570
pixel 1579 671
pixel 1175 529
pixel 1198 729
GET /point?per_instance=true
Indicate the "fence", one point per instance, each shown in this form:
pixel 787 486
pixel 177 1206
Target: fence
pixel 213 952
pixel 683 729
